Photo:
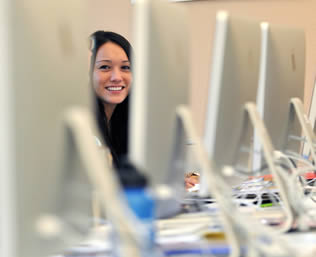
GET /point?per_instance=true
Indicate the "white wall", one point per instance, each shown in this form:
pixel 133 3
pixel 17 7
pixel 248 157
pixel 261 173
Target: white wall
pixel 113 15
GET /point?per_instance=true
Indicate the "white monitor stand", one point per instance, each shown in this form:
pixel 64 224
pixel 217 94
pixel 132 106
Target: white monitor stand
pixel 296 112
pixel 252 118
pixel 312 118
pixel 79 125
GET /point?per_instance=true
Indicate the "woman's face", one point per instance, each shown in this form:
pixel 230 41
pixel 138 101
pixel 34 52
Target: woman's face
pixel 112 75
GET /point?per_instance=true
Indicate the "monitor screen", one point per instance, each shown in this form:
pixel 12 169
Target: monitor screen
pixel 282 74
pixel 233 82
pixel 161 84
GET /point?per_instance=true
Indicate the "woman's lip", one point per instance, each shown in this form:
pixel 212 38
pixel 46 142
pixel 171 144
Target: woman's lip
pixel 115 88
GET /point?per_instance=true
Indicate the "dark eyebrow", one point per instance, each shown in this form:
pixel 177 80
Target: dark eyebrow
pixel 127 61
pixel 104 61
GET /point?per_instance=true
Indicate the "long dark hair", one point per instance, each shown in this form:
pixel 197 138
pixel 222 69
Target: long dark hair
pixel 117 137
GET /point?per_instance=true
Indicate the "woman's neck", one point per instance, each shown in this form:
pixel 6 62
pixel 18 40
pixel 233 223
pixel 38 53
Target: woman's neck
pixel 108 110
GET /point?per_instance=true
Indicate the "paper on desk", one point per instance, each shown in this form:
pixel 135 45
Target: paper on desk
pixel 195 188
pixel 186 228
pixel 97 242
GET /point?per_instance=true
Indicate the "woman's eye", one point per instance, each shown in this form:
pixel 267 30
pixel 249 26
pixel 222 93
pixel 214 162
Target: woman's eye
pixel 126 67
pixel 105 67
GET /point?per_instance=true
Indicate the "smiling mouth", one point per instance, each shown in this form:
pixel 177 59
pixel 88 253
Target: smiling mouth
pixel 116 88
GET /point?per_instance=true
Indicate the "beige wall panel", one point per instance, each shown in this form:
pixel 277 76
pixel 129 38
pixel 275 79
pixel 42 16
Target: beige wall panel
pixel 113 15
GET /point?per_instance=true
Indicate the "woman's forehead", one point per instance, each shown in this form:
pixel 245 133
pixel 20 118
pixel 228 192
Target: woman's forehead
pixel 111 51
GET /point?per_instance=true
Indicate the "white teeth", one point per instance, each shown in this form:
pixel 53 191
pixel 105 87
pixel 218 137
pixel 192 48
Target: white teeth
pixel 114 88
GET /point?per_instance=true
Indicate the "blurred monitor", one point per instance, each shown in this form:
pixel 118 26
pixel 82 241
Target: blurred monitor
pixel 233 82
pixel 161 83
pixel 282 74
pixel 44 70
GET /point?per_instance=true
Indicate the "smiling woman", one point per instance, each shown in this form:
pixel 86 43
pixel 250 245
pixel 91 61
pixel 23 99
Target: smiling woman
pixel 111 77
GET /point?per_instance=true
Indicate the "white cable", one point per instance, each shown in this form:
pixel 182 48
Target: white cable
pixel 297 193
pixel 252 229
pixel 297 157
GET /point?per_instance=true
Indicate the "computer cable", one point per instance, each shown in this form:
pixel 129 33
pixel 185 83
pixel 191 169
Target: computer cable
pixel 260 237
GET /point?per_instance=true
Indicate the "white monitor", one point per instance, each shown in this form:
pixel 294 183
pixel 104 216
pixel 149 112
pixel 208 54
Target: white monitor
pixel 233 82
pixel 44 70
pixel 282 74
pixel 161 83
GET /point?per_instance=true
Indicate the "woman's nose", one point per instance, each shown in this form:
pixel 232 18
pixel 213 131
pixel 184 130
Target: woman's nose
pixel 116 75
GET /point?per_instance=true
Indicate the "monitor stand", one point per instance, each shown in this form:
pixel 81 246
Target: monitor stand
pixel 251 116
pixel 209 174
pixel 80 129
pixel 297 111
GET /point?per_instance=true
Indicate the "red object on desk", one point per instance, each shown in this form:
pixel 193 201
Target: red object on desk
pixel 310 175
pixel 269 177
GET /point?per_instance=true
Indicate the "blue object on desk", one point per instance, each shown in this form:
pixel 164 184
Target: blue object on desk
pixel 138 197
pixel 141 203
pixel 215 250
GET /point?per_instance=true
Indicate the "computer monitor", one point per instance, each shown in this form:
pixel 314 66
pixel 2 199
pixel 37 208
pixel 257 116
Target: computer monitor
pixel 161 84
pixel 233 83
pixel 282 74
pixel 231 109
pixel 44 70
